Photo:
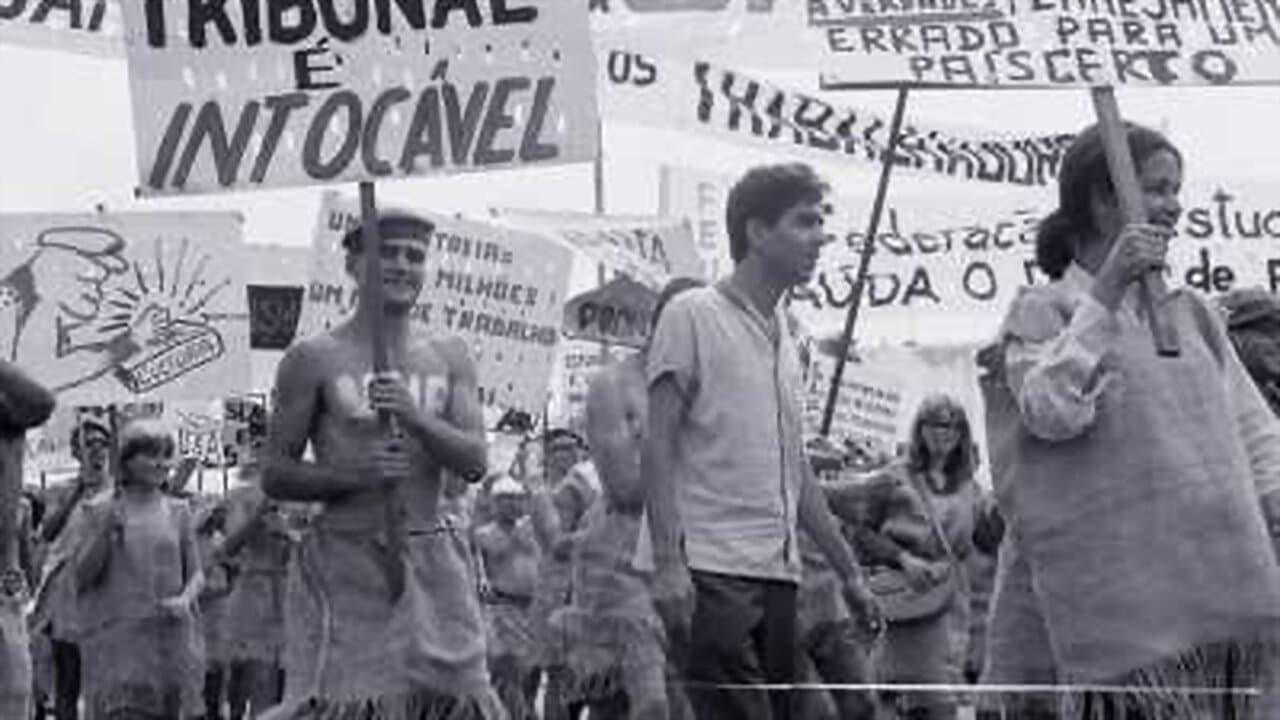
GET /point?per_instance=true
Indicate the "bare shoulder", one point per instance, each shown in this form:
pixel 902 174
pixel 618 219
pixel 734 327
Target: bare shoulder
pixel 305 360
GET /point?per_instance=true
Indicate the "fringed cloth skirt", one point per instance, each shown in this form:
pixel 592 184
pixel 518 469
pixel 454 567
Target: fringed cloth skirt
pixel 611 652
pixel 354 653
pixel 152 667
pixel 1228 680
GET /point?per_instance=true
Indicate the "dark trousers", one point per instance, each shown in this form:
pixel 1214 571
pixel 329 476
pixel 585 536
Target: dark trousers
pixel 744 633
pixel 66 680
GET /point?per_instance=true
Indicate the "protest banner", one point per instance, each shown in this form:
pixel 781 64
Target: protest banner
pixel 1047 43
pixel 576 364
pixel 882 389
pixel 88 27
pixel 110 307
pixel 247 96
pixel 651 250
pixel 946 270
pixel 870 403
pixel 665 90
pixel 618 312
pixel 199 431
pixel 500 289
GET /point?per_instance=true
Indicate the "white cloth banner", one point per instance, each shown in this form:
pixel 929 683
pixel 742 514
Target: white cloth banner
pixel 669 90
pixel 246 97
pixel 945 268
pixel 1048 43
pixel 651 250
pixel 118 307
pixel 87 27
pixel 500 289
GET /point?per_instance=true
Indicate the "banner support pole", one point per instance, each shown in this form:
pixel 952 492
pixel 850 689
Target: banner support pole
pixel 864 260
pixel 1124 178
pixel 372 293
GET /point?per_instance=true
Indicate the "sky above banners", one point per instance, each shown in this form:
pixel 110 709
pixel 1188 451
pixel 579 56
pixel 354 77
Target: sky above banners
pixel 117 307
pixel 1048 43
pixel 241 96
pixel 500 289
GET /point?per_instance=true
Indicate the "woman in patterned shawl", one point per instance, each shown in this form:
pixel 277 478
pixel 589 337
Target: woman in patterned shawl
pixel 1134 485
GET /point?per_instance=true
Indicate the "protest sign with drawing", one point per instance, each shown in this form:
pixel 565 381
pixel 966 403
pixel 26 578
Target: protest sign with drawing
pixel 500 289
pixel 238 95
pixel 1047 43
pixel 651 250
pixel 669 90
pixel 88 27
pixel 114 307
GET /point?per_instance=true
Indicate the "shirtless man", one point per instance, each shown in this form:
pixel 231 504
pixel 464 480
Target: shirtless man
pixel 510 556
pixel 379 620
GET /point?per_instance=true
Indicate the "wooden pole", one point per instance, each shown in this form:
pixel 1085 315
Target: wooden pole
pixel 371 293
pixel 864 261
pixel 1124 178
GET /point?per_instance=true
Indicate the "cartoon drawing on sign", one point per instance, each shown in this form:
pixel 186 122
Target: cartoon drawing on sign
pixel 145 327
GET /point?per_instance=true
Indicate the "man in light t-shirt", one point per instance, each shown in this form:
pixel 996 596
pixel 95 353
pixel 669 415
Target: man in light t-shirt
pixel 724 465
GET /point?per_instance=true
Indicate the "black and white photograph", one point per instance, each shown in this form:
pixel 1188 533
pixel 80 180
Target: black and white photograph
pixel 639 360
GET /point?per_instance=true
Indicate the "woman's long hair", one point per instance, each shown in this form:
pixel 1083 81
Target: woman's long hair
pixel 1084 171
pixel 959 465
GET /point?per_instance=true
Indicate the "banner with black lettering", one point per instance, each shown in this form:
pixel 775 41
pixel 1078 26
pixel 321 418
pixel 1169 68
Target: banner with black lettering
pixel 300 92
pixel 881 391
pixel 671 91
pixel 1047 43
pixel 501 289
pixel 619 312
pixel 651 250
pixel 87 27
pixel 945 268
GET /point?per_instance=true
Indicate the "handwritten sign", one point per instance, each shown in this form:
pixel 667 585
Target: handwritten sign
pixel 1049 43
pixel 241 96
pixel 651 250
pixel 117 307
pixel 663 90
pixel 870 405
pixel 88 27
pixel 620 312
pixel 501 289
pixel 946 272
pixel 577 364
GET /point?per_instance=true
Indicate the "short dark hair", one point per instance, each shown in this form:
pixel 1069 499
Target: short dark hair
pixel 390 224
pixel 765 193
pixel 1084 171
pixel 669 291
pixel 560 433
